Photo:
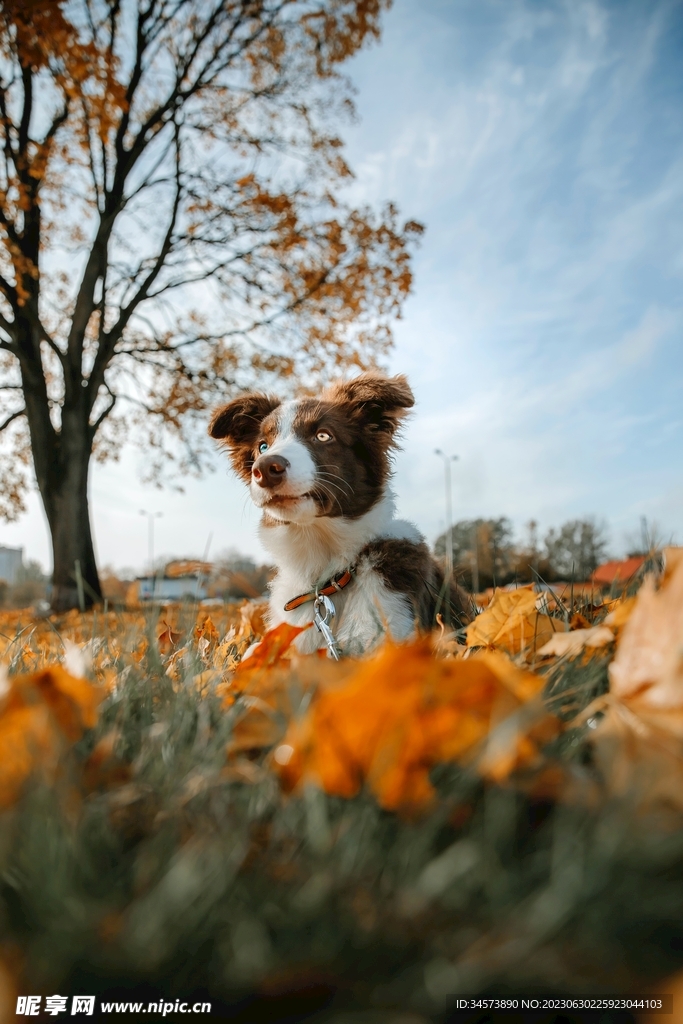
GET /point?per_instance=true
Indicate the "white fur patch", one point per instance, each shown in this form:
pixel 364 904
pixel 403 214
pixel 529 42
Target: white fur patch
pixel 308 554
pixel 300 474
pixel 309 549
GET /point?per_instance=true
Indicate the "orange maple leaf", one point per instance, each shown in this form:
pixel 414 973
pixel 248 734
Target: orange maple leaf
pixel 399 714
pixel 271 648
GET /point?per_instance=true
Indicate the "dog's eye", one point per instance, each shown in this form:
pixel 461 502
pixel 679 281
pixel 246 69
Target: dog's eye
pixel 323 435
pixel 263 447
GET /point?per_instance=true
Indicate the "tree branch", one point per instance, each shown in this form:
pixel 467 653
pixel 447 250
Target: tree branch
pixel 94 427
pixel 9 290
pixel 10 419
pixel 27 110
pixel 109 339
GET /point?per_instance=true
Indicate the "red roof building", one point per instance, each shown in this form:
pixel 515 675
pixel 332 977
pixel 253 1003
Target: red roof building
pixel 617 572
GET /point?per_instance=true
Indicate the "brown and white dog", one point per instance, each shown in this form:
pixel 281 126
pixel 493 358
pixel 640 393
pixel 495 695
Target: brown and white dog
pixel 319 468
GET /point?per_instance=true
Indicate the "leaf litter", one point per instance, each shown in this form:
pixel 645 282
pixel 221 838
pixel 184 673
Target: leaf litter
pixel 425 758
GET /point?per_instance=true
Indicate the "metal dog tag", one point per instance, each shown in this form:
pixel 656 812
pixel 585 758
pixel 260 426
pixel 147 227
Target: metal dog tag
pixel 323 611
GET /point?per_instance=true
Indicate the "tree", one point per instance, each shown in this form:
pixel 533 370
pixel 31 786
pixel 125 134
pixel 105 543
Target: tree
pixel 172 227
pixel 530 564
pixel 236 576
pixel 576 549
pixel 482 551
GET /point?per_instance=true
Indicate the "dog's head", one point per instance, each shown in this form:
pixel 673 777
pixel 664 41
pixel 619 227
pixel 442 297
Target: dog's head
pixel 313 457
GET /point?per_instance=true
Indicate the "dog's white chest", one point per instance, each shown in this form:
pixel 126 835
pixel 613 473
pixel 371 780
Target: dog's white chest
pixel 366 612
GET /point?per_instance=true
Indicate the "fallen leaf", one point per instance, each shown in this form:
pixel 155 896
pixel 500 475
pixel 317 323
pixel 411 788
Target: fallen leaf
pixel 272 647
pixel 638 754
pixel 207 631
pixel 638 725
pixel 253 618
pixel 38 712
pixel 168 639
pixel 72 701
pixel 573 643
pixel 206 681
pixel 27 741
pixel 397 715
pixel 649 658
pixel 620 612
pixel 513 623
pixel 174 666
pixel 672 558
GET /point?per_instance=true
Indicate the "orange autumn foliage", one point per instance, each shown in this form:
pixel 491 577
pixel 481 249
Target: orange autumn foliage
pixel 264 690
pixel 399 714
pixel 272 647
pixel 638 737
pixel 38 713
pixel 163 151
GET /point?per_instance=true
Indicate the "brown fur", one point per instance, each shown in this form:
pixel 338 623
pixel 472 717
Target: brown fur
pixel 238 424
pixel 362 416
pixel 409 568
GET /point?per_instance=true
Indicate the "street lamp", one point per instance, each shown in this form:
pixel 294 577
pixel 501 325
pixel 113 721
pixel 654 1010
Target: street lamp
pixel 447 460
pixel 151 516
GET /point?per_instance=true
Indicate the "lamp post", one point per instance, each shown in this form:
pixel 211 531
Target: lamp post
pixel 151 516
pixel 447 460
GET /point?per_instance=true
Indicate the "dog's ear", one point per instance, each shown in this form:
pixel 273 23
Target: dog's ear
pixel 239 421
pixel 381 401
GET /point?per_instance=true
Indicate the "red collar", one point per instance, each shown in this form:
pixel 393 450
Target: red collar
pixel 337 582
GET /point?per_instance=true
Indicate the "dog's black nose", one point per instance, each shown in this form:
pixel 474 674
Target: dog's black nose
pixel 270 470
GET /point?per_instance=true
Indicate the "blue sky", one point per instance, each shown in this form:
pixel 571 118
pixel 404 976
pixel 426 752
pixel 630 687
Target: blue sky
pixel 541 143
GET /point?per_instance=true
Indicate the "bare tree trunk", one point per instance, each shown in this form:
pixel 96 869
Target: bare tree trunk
pixel 75 581
pixel 61 460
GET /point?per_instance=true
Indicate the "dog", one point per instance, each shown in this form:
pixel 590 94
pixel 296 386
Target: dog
pixel 320 469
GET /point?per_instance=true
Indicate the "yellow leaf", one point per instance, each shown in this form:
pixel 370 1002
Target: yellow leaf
pixel 207 631
pixel 513 623
pixel 253 618
pixel 506 604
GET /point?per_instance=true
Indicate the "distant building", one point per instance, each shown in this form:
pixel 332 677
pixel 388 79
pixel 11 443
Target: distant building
pixel 617 572
pixel 11 564
pixel 170 588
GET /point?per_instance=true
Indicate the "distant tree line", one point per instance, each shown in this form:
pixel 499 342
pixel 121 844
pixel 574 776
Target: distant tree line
pixel 237 576
pixel 486 554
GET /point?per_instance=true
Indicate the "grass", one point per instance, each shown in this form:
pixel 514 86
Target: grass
pixel 150 865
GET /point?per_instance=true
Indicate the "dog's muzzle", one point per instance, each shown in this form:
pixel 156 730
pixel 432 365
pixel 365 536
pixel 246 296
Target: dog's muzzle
pixel 270 471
